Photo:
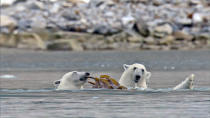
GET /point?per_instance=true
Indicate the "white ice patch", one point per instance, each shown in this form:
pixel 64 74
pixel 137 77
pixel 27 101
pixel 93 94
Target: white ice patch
pixel 7 76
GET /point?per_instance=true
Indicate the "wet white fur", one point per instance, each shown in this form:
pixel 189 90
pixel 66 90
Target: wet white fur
pixel 71 81
pixel 128 76
pixel 186 84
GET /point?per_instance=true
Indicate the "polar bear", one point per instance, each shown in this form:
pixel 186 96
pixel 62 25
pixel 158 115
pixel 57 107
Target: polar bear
pixel 135 76
pixel 72 80
pixel 186 84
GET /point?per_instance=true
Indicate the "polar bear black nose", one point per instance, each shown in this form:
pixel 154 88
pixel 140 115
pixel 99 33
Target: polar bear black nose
pixel 138 77
pixel 87 74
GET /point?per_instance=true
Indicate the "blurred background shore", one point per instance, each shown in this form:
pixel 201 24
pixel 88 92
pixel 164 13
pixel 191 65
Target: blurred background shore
pixel 80 25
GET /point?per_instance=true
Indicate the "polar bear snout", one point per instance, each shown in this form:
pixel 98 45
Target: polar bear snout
pixel 137 78
pixel 87 74
pixel 72 80
pixel 85 77
pixel 135 75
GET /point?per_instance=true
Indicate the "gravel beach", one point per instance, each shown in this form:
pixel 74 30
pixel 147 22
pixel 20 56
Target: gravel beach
pixel 105 24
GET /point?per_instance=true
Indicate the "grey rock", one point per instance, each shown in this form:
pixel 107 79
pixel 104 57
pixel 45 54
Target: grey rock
pixel 203 36
pixel 120 37
pixel 7 2
pixel 128 21
pixel 24 24
pixel 194 2
pixel 65 44
pixel 208 43
pixel 8 24
pixel 197 18
pixel 150 47
pixel 163 30
pixel 8 41
pixel 141 27
pixel 150 41
pixel 133 46
pixel 135 39
pixel 184 22
pixel 76 46
pixel 30 41
pixel 38 22
pixel 55 8
pixel 71 15
pixel 79 1
pixel 7 21
pixel 167 40
pixel 158 2
pixel 104 29
pixel 181 35
pixel 53 0
pixel 36 5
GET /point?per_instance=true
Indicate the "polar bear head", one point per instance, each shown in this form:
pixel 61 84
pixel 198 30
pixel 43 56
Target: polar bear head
pixel 72 80
pixel 135 75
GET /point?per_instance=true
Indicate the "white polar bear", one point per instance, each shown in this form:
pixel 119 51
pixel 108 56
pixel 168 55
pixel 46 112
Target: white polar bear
pixel 135 76
pixel 72 80
pixel 186 84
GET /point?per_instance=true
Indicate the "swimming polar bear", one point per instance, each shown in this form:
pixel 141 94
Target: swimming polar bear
pixel 72 80
pixel 186 84
pixel 135 76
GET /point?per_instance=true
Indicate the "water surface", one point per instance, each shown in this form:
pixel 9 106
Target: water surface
pixel 28 91
pixel 105 103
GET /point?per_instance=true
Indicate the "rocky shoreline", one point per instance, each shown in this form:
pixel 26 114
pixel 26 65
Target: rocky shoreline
pixel 105 24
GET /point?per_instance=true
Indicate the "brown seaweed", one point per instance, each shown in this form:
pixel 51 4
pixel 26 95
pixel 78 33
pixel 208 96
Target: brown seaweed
pixel 106 82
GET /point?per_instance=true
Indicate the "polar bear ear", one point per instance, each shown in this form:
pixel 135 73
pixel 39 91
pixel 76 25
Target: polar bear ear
pixel 74 74
pixel 125 66
pixel 148 75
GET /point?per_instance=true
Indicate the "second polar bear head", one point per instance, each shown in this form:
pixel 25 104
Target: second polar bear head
pixel 135 75
pixel 72 80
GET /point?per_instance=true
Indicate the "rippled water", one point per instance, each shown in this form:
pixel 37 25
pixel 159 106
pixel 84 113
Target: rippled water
pixel 105 103
pixel 26 85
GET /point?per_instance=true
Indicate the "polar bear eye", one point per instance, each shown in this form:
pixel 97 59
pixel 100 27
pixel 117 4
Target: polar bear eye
pixel 142 70
pixel 134 68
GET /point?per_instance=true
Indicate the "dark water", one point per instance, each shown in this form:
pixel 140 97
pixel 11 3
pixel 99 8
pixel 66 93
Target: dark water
pixel 29 92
